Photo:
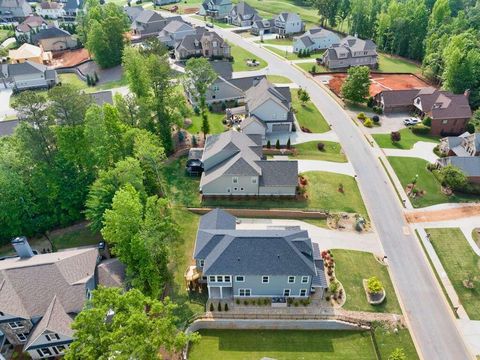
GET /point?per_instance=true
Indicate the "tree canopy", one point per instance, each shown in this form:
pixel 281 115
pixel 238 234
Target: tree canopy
pixel 357 84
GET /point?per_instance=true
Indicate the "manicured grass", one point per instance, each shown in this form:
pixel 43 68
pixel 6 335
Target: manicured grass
pixel 407 168
pixel 408 139
pixel 317 222
pixel 240 56
pixel 286 41
pixel 5 34
pixel 214 119
pixel 282 345
pixel 290 55
pixel 73 79
pixel 181 189
pixel 389 63
pixel 459 261
pixel 221 24
pixel 351 267
pixel 307 67
pixel 388 341
pixel 278 79
pixel 308 115
pixel 331 152
pixel 271 8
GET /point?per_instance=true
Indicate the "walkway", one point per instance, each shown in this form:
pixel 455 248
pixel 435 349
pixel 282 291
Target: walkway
pixel 421 149
pixel 325 238
pixel 8 42
pixel 330 166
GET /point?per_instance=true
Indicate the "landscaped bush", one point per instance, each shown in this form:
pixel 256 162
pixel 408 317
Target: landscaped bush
pixel 237 301
pixel 320 146
pixel 395 136
pixel 453 177
pixel 226 307
pixel 377 110
pixel 368 123
pixel 374 285
pixel 211 307
pixel 376 119
pixel 196 110
pixel 245 302
pixel 219 307
pixel 420 129
pixel 314 69
pixel 277 144
pixel 361 116
pixel 370 102
pixel 269 145
pixel 427 121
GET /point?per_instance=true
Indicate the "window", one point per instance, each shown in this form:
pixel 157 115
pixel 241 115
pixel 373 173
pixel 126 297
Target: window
pixel 240 278
pixel 242 189
pixel 304 279
pixel 51 337
pixel 265 279
pixel 204 278
pixel 235 179
pixel 216 88
pixel 303 292
pixel 44 352
pixel 22 336
pixel 202 263
pixel 15 325
pixel 445 122
pixel 212 278
pixel 227 278
pixel 235 189
pixel 286 292
pixel 254 180
pixel 291 279
pixel 219 278
pixel 244 292
pixel 59 349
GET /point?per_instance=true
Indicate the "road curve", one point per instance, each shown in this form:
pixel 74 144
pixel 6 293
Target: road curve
pixel 431 320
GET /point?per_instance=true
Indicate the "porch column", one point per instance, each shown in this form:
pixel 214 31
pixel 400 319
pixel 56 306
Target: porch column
pixel 221 292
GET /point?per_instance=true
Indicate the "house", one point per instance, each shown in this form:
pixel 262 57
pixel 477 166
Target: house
pixel 30 25
pixel 150 23
pixel 29 75
pixel 261 27
pixel 132 11
pixel 243 15
pixel 73 7
pixel 463 152
pixel 450 113
pixel 236 263
pixel 288 23
pixel 37 319
pixel 351 51
pixel 174 32
pixel 51 10
pixel 203 43
pixel 217 9
pixel 111 273
pixel 11 10
pixel 233 164
pixel 54 39
pixel 165 2
pixel 29 52
pixel 315 39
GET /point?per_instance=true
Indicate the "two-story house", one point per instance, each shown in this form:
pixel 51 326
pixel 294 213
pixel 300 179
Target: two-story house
pixel 51 10
pixel 288 23
pixel 204 43
pixel 54 39
pixel 243 15
pixel 351 51
pixel 233 164
pixel 174 32
pixel 28 76
pixel 315 39
pixel 29 52
pixel 73 7
pixel 217 9
pixel 149 23
pixel 14 10
pixel 236 263
pixel 29 26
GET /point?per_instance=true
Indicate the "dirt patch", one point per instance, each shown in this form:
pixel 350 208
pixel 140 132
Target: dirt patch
pixel 381 82
pixel 70 58
pixel 190 10
pixel 442 215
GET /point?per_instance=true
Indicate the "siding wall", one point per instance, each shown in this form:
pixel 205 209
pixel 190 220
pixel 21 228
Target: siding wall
pixel 221 185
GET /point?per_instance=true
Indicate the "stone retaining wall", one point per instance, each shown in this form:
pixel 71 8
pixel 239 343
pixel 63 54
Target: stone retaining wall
pixel 268 213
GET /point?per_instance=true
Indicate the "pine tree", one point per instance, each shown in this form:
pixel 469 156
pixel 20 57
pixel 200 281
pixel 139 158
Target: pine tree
pixel 288 144
pixel 269 145
pixel 96 77
pixel 277 144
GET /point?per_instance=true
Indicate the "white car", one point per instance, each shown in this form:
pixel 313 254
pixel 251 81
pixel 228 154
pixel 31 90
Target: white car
pixel 411 121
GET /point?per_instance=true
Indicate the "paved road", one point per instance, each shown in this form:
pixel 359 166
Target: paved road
pixel 424 305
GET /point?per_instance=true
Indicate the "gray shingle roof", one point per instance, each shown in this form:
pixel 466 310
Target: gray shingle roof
pixel 49 33
pixel 217 219
pixel 470 165
pixel 28 67
pixel 263 91
pixel 111 273
pixel 278 173
pixel 147 16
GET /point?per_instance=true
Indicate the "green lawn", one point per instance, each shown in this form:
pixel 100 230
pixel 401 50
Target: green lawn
pixel 214 119
pixel 73 79
pixel 459 261
pixel 309 150
pixel 408 139
pixel 309 116
pixel 5 34
pixel 286 41
pixel 240 56
pixel 282 345
pixel 407 168
pixel 290 55
pixel 389 63
pixel 307 67
pixel 351 267
pixel 388 341
pixel 278 79
pixel 218 23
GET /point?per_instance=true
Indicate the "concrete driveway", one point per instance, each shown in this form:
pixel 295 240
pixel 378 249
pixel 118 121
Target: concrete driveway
pixel 330 166
pixel 421 149
pixel 389 123
pixel 5 109
pixel 325 238
pixel 299 137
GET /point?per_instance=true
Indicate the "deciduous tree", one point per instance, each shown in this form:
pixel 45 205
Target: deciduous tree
pixel 357 85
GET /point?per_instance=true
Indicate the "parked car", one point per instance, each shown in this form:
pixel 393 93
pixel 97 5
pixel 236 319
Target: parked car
pixel 210 25
pixel 411 121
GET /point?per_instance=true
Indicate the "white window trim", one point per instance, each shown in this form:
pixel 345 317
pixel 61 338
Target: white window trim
pixel 202 263
pixel 219 278
pixel 16 326
pixel 288 279
pixel 45 353
pixel 18 337
pixel 289 292
pixel 244 291
pixel 268 279
pixel 237 276
pixel 235 180
pixel 210 278
pixel 300 292
pixel 225 278
pixel 306 279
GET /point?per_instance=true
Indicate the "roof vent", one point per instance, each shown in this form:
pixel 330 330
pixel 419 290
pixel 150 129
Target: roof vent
pixel 22 247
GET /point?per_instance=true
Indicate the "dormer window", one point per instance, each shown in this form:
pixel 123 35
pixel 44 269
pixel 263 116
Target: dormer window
pixel 52 337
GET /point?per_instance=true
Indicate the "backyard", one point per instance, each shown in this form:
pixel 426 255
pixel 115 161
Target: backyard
pixel 461 264
pixel 73 79
pixel 214 120
pixel 307 66
pixel 240 56
pixel 408 139
pixel 388 63
pixel 351 267
pixel 407 168
pixel 309 150
pixel 308 116
pixel 278 79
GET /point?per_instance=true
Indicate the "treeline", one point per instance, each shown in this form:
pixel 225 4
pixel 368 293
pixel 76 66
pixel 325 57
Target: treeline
pixel 442 34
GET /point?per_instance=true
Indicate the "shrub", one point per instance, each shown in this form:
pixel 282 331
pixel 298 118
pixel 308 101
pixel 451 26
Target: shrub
pixel 219 307
pixel 296 304
pixel 334 285
pixel 374 285
pixel 427 121
pixel 211 306
pixel 196 110
pixel 269 145
pixel 327 297
pixel 397 354
pixel 277 144
pixel 237 301
pixel 395 136
pixel 420 129
pixel 368 123
pixel 96 77
pixel 376 119
pixel 453 177
pixel 361 116
pixel 226 307
pixel 194 141
pixel 370 102
pixel 314 69
pixel 245 302
pixel 377 110
pixel 289 144
pixel 471 127
pixel 320 146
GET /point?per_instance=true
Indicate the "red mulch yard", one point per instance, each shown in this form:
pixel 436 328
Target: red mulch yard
pixel 382 82
pixel 70 58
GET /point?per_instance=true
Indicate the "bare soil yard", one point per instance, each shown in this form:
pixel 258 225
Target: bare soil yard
pixel 70 58
pixel 442 215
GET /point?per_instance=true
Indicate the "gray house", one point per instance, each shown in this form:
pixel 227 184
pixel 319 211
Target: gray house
pixel 149 23
pixel 174 32
pixel 14 9
pixel 261 27
pixel 315 39
pixel 256 263
pixel 218 9
pixel 352 51
pixel 73 7
pixel 288 23
pixel 234 164
pixel 28 75
pixel 54 39
pixel 204 43
pixel 243 15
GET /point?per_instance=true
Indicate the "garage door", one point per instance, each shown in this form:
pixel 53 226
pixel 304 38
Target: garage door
pixel 280 127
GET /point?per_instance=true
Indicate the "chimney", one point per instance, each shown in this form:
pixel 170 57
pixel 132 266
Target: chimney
pixel 467 93
pixel 22 247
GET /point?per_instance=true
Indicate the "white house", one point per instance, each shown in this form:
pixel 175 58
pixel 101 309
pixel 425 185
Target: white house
pixel 288 23
pixel 51 10
pixel 315 39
